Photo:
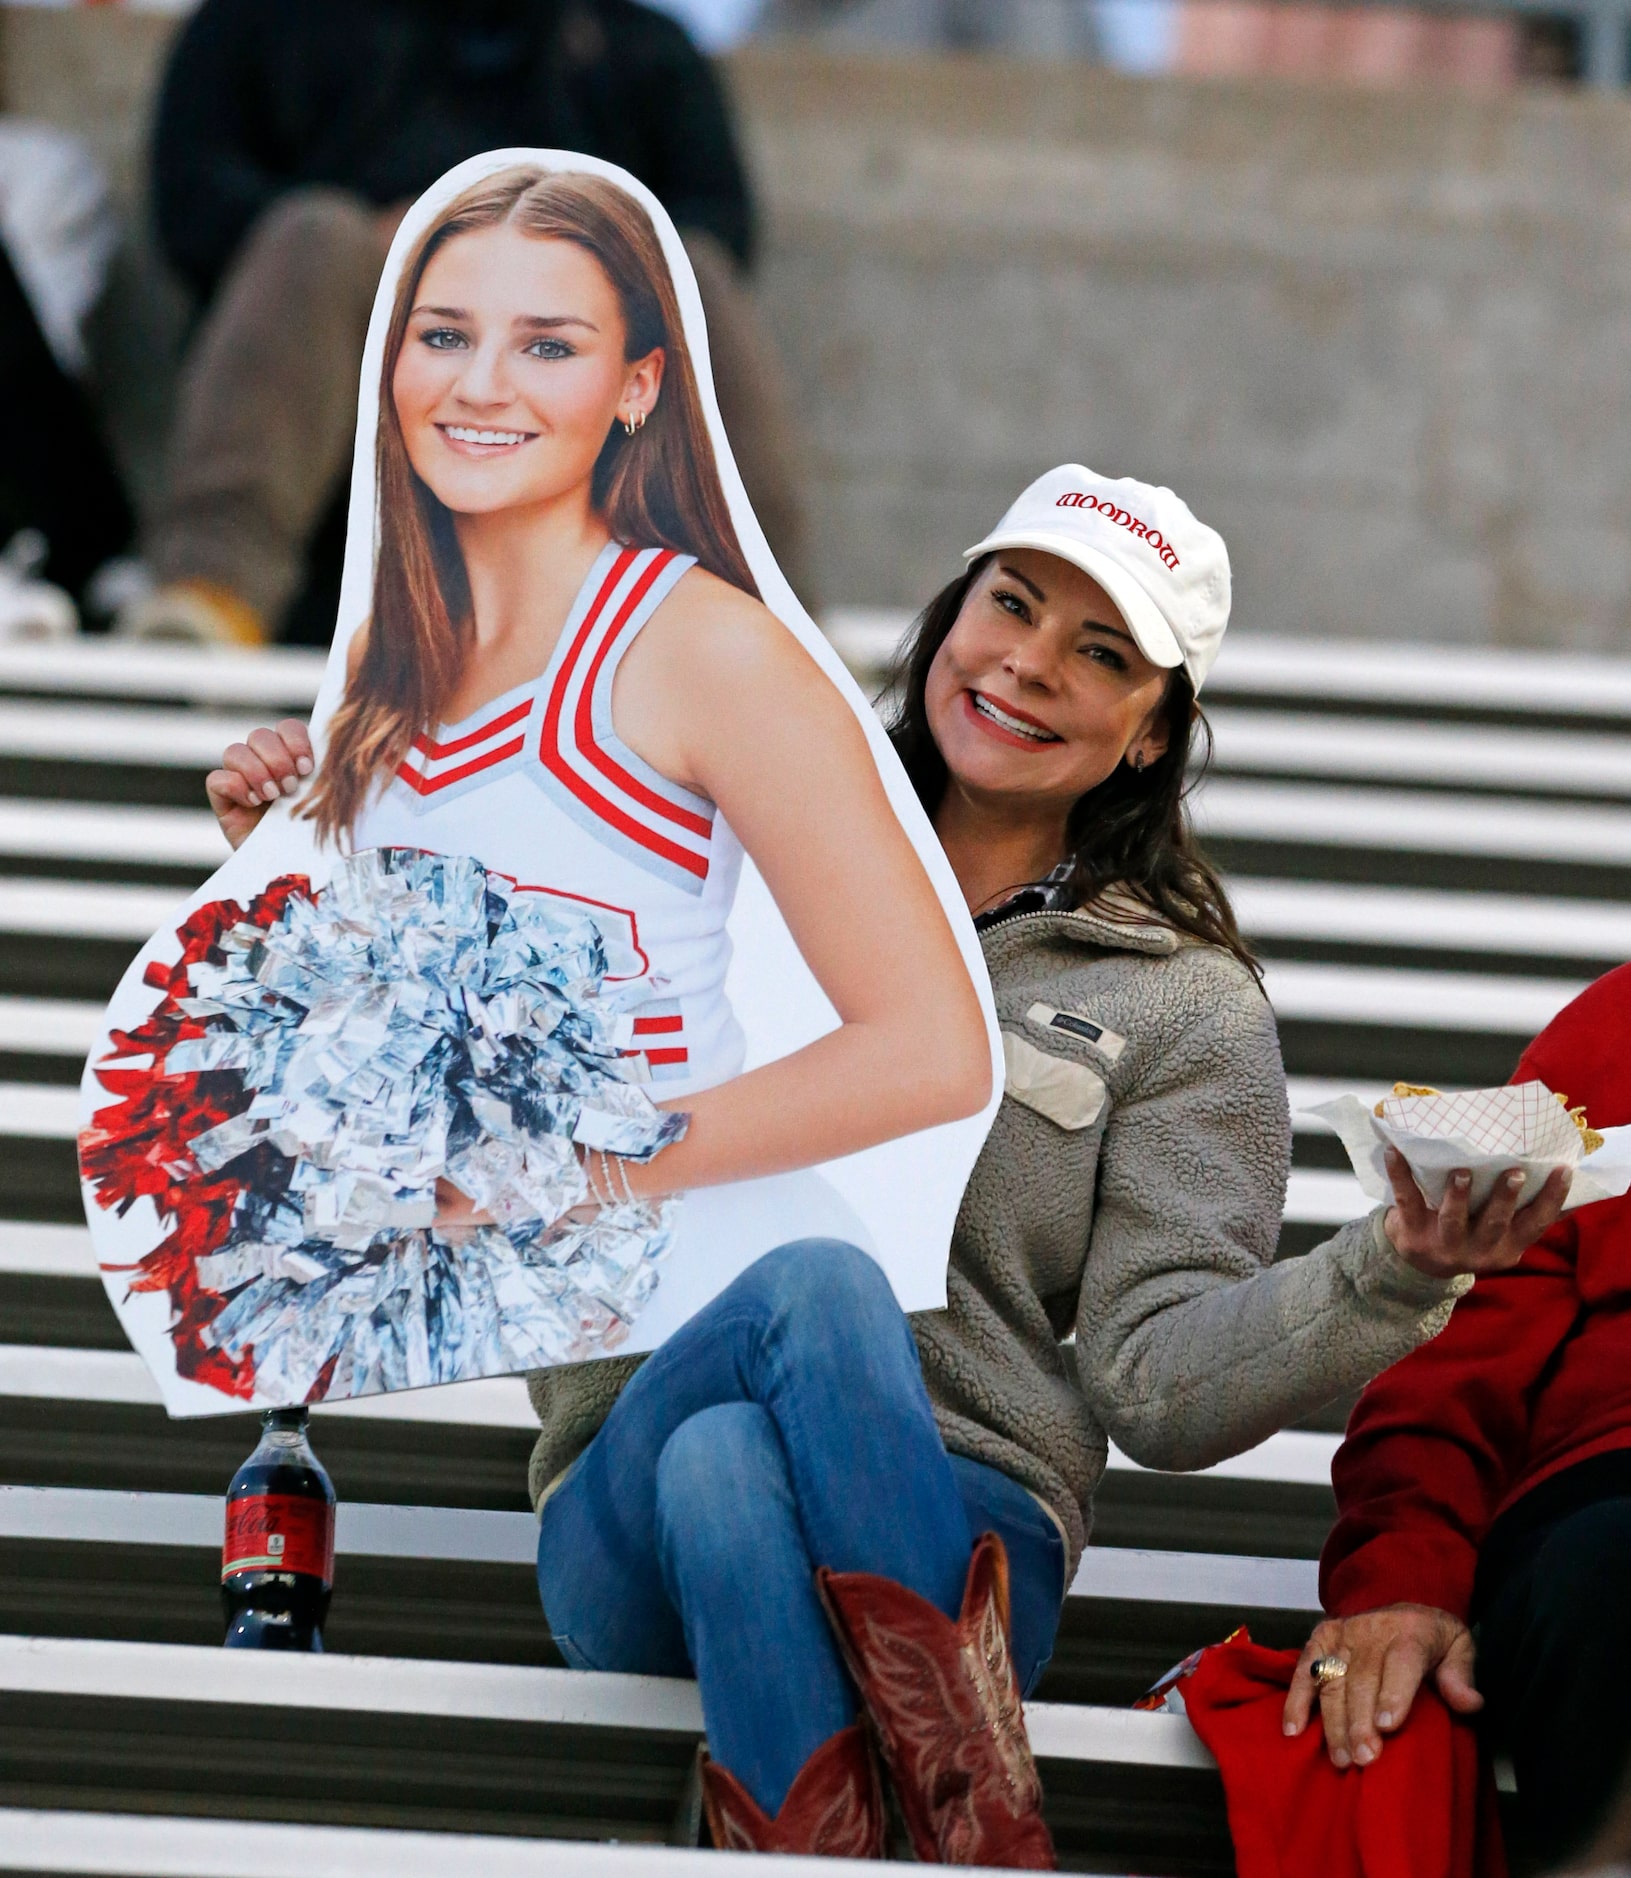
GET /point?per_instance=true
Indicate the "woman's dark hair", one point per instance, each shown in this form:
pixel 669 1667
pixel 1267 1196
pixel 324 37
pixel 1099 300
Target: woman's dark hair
pixel 1132 831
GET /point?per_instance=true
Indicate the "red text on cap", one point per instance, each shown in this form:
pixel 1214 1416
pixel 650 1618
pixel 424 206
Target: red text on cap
pixel 1080 499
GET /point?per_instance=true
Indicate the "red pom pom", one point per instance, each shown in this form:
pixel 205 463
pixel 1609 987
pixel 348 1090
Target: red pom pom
pixel 139 1147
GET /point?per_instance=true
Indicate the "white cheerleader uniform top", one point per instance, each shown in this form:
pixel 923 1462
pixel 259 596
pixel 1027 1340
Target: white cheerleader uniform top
pixel 538 786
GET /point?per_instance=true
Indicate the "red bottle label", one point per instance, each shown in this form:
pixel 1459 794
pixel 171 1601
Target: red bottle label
pixel 276 1532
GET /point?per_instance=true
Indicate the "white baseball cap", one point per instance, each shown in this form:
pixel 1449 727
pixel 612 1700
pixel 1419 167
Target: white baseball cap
pixel 1167 572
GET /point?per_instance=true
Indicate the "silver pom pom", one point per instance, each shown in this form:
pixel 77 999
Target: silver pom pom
pixel 420 1020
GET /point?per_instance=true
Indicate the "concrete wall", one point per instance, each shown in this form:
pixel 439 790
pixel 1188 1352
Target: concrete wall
pixel 1380 339
pixel 93 71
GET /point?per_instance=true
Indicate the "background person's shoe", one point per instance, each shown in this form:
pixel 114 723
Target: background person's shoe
pixel 112 590
pixel 31 608
pixel 193 613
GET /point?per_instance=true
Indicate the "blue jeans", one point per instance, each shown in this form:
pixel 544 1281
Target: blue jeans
pixel 783 1427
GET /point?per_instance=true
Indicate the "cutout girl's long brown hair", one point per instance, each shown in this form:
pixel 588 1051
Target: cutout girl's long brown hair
pixel 659 489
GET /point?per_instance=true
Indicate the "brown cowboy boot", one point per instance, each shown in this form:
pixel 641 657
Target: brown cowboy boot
pixel 944 1702
pixel 834 1808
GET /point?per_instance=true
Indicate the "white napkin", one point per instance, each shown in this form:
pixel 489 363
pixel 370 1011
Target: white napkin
pixel 1486 1131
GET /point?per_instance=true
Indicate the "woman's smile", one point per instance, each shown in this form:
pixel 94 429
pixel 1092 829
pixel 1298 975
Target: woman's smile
pixel 1006 723
pixel 470 441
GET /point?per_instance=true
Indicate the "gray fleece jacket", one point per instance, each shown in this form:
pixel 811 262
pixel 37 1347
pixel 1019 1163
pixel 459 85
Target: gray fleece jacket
pixel 1130 1191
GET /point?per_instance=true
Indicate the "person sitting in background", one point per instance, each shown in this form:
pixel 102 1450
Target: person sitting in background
pixel 290 136
pixel 814 1504
pixel 66 524
pixel 1484 1487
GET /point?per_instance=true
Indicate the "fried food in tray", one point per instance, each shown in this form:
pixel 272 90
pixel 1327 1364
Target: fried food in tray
pixel 1488 1132
pixel 1590 1139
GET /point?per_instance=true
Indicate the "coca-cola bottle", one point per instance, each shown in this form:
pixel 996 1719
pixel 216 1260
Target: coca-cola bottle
pixel 277 1567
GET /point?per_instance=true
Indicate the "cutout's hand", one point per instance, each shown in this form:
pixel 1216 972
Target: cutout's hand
pixel 1446 1242
pixel 457 1215
pixel 254 774
pixel 1389 1653
pixel 456 1209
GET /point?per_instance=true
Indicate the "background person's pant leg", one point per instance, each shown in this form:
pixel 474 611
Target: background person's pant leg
pixel 268 401
pixel 1554 1662
pixel 55 471
pixel 751 385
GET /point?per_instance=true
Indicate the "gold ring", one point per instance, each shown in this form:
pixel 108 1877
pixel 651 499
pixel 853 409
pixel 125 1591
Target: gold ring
pixel 1326 1669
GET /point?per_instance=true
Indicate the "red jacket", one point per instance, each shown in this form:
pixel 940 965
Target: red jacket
pixel 1532 1374
pixel 1424 1810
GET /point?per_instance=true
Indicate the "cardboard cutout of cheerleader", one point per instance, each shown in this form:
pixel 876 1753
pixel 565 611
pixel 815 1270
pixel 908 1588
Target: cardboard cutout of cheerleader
pixel 605 949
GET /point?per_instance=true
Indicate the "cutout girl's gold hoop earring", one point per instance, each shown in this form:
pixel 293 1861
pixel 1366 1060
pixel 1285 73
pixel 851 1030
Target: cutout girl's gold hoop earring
pixel 628 427
pixel 639 420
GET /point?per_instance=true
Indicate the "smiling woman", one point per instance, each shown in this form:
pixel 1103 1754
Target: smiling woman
pixel 1031 651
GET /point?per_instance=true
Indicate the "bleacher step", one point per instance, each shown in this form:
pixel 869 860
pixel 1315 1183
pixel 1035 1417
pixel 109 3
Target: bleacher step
pixel 484 1536
pixel 480 1747
pixel 135 1845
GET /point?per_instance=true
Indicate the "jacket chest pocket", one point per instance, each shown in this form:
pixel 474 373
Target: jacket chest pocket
pixel 1071 1095
pixel 1073 1024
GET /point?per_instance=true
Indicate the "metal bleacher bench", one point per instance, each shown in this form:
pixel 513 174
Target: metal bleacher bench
pixel 1431 850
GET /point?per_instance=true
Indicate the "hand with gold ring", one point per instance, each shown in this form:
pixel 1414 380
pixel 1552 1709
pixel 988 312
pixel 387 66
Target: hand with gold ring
pixel 1364 1672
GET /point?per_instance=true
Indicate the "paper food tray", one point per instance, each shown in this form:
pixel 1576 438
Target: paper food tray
pixel 1486 1131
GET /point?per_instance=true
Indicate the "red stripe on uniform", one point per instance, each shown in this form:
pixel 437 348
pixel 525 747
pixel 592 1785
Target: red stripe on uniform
pixel 584 726
pixel 548 742
pixel 428 785
pixel 552 716
pixel 611 814
pixel 657 1058
pixel 436 751
pixel 657 1026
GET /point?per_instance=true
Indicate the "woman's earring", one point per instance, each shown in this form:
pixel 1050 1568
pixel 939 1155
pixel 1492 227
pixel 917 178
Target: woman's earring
pixel 628 427
pixel 1138 759
pixel 639 420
